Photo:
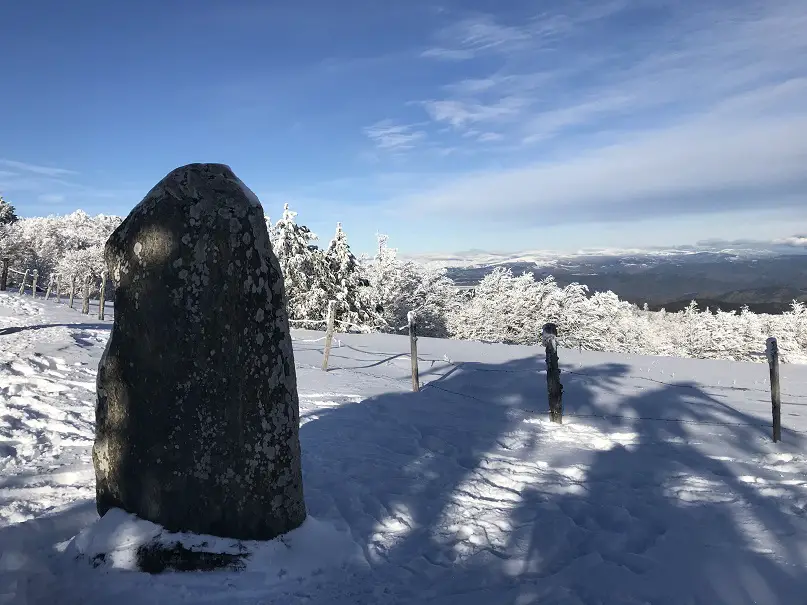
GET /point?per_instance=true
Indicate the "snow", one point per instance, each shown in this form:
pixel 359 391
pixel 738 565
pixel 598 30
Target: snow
pixel 663 486
pixel 113 541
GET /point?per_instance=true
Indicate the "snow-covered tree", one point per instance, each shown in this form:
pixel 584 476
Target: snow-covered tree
pixel 8 219
pixel 304 268
pixel 8 214
pixel 86 261
pixel 378 292
pixel 42 243
pixel 270 228
pixel 350 287
pixel 402 286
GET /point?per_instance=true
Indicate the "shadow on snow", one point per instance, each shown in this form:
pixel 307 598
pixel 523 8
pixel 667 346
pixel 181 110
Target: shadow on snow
pixel 647 520
pixel 464 493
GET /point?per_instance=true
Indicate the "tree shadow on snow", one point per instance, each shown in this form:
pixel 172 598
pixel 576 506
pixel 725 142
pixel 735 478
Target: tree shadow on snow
pixel 676 517
pixel 464 492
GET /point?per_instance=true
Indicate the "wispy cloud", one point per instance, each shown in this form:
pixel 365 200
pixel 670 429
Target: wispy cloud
pixel 482 34
pixel 389 136
pixel 54 188
pixel 460 113
pixel 470 37
pixel 36 169
pixel 701 109
pixel 706 164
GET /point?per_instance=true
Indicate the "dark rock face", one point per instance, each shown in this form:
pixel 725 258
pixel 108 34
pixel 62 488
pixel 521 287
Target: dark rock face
pixel 198 415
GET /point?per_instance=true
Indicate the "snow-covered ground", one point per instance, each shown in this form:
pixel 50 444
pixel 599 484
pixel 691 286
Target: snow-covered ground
pixel 662 487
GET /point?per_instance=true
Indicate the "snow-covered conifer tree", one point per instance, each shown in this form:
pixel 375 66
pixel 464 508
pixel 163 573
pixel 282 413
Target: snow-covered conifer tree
pixel 350 287
pixel 8 214
pixel 304 268
pixel 8 219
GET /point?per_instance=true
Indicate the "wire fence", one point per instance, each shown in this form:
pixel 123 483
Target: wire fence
pixel 92 287
pixel 476 367
pixel 361 329
pixel 539 370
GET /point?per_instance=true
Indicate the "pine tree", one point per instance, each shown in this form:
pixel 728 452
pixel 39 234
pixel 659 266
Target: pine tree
pixel 8 217
pixel 349 286
pixel 8 214
pixel 305 272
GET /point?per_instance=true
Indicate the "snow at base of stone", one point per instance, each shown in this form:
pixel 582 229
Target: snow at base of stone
pixel 311 549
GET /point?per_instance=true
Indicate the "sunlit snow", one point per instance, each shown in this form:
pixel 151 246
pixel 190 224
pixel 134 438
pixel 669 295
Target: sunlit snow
pixel 662 486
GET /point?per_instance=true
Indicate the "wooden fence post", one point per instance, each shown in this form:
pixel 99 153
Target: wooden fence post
pixel 72 289
pixel 33 283
pixel 102 296
pixel 549 336
pixel 329 333
pixel 85 308
pixel 4 276
pixel 22 285
pixel 58 288
pixel 413 349
pixel 772 350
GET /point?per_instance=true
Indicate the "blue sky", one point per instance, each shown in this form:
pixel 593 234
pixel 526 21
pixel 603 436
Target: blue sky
pixel 447 125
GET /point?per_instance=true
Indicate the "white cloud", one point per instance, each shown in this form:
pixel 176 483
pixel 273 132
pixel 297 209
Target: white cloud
pixel 36 169
pixel 470 37
pixel 482 34
pixel 547 124
pixel 56 186
pixel 389 136
pixel 448 54
pixel 797 241
pixel 489 136
pixel 745 151
pixel 459 114
pixel 703 111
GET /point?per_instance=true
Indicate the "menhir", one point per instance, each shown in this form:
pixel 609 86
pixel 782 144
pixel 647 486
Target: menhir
pixel 197 415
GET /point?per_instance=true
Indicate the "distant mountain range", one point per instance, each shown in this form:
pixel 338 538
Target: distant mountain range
pixel 764 277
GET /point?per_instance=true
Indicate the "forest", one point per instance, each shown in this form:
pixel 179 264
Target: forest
pixel 374 294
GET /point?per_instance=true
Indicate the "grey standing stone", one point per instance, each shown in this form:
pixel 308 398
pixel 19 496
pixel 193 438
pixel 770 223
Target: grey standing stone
pixel 198 415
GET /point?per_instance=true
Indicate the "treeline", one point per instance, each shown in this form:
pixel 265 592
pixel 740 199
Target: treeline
pixel 374 293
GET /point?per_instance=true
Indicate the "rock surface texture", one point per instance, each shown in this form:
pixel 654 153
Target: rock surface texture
pixel 197 415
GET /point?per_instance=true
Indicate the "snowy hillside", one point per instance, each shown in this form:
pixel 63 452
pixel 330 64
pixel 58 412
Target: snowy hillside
pixel 662 487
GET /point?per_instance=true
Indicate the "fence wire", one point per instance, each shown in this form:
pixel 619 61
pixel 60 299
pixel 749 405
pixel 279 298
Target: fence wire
pixel 470 366
pixel 474 367
pixel 759 425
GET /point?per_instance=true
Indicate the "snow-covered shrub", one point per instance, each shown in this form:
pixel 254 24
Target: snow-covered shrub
pixel 402 286
pixel 504 309
pixel 81 263
pixel 512 309
pixel 377 293
pixel 42 243
pixel 86 261
pixel 790 329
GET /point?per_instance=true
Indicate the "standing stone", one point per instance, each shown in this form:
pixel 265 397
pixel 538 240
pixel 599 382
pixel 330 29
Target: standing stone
pixel 197 422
